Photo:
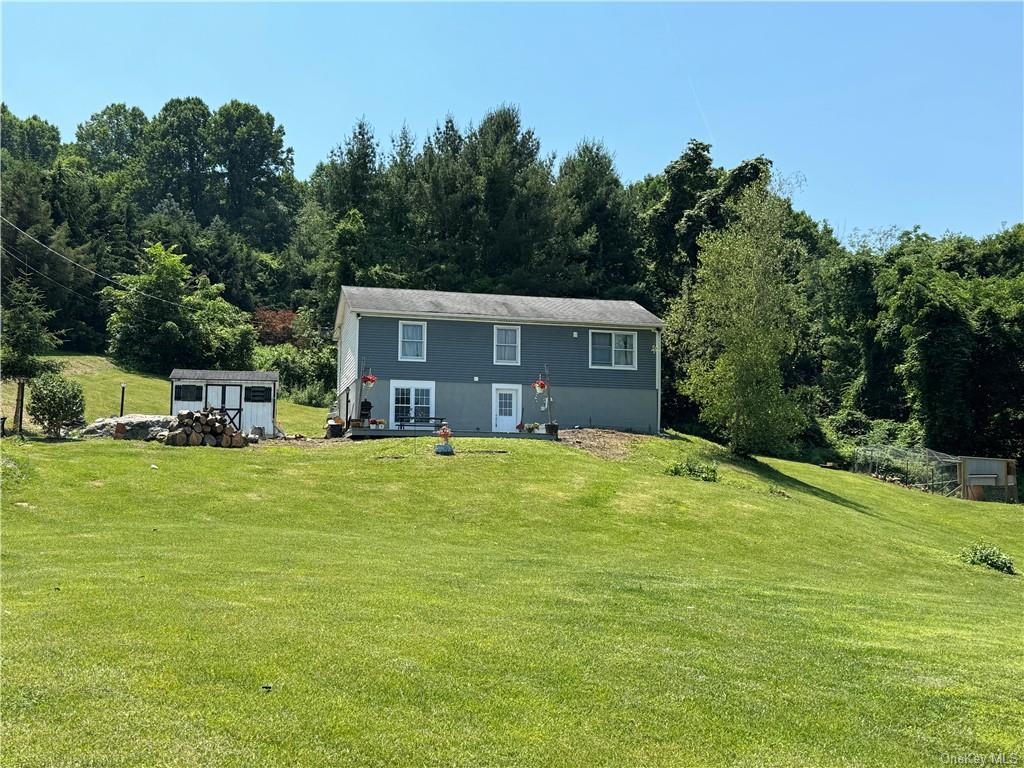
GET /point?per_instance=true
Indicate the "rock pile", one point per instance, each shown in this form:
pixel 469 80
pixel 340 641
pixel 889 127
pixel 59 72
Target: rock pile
pixel 137 426
pixel 208 427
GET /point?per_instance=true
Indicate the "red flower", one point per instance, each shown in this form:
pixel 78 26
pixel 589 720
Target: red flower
pixel 539 386
pixel 369 379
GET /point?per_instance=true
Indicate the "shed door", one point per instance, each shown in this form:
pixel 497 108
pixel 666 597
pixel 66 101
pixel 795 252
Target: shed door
pixel 226 397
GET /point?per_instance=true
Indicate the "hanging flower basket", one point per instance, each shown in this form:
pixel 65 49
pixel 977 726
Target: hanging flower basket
pixel 369 380
pixel 540 386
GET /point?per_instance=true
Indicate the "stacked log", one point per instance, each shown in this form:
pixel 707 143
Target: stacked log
pixel 208 427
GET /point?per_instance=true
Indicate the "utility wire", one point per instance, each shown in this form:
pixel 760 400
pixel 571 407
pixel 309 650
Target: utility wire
pixel 93 271
pixel 12 254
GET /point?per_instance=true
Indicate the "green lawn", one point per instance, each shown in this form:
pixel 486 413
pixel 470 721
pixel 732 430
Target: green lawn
pixel 101 380
pixel 538 607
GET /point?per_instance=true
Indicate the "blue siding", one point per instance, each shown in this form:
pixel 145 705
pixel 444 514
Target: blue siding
pixel 459 350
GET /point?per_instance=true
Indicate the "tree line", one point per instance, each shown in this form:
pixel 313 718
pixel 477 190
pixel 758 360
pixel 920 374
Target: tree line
pixel 779 334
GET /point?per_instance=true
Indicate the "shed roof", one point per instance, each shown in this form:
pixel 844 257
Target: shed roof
pixel 489 306
pixel 194 373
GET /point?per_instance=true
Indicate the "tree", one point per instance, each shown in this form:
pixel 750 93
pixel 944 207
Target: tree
pixel 592 220
pixel 742 326
pixel 164 318
pixel 56 402
pixel 246 148
pixel 112 137
pixel 31 139
pixel 176 158
pixel 25 335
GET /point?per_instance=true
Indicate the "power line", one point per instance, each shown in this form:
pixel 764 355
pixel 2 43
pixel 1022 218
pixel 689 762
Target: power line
pixel 10 252
pixel 93 271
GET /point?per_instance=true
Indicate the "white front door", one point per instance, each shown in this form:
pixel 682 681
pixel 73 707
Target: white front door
pixel 505 407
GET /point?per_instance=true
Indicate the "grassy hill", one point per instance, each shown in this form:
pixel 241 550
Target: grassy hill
pixel 523 603
pixel 102 379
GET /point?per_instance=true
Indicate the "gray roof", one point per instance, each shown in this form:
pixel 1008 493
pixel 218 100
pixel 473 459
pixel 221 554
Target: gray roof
pixel 488 306
pixel 194 373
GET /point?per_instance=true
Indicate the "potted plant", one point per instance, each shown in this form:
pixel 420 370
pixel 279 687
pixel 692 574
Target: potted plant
pixel 368 380
pixel 551 428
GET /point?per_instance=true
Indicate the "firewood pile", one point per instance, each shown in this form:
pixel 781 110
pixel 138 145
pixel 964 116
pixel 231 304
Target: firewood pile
pixel 209 427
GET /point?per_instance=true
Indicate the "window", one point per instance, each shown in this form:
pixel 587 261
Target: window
pixel 506 345
pixel 411 400
pixel 505 400
pixel 189 393
pixel 412 341
pixel 613 349
pixel 258 395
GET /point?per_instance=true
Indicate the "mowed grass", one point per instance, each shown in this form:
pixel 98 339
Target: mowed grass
pixel 521 604
pixel 101 379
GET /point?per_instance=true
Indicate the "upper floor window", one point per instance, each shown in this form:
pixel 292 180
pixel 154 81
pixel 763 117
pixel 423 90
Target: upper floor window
pixel 613 349
pixel 506 345
pixel 412 341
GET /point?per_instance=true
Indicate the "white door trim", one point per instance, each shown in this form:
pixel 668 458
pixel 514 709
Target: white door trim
pixel 517 407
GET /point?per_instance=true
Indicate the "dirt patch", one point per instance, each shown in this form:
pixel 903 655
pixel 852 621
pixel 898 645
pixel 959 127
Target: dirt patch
pixel 604 443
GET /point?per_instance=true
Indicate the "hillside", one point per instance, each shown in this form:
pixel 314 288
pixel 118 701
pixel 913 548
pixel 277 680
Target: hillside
pixel 101 380
pixel 523 603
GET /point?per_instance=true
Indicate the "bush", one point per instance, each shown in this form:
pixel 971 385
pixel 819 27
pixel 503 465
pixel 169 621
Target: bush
pixel 695 470
pixel 274 326
pixel 299 368
pixel 56 401
pixel 987 554
pixel 315 394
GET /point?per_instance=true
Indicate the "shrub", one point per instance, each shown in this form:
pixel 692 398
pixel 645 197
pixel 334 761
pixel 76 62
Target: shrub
pixel 987 554
pixel 274 326
pixel 314 394
pixel 696 470
pixel 56 401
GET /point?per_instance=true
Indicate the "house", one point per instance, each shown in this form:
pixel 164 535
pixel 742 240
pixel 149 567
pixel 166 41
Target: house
pixel 249 398
pixel 472 358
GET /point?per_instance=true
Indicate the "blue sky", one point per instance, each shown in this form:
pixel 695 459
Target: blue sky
pixel 894 114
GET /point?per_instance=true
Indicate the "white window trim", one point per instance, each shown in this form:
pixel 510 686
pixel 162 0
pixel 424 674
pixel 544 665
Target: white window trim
pixel 423 325
pixel 516 406
pixel 519 344
pixel 395 384
pixel 613 366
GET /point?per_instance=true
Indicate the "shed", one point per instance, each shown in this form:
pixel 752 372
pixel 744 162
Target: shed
pixel 988 479
pixel 249 398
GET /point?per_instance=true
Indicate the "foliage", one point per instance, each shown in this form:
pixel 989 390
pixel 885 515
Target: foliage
pixel 741 328
pixel 273 326
pixel 55 401
pixel 163 318
pixel 695 470
pixel 25 334
pixel 907 329
pixel 299 368
pixel 983 553
pixel 314 394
